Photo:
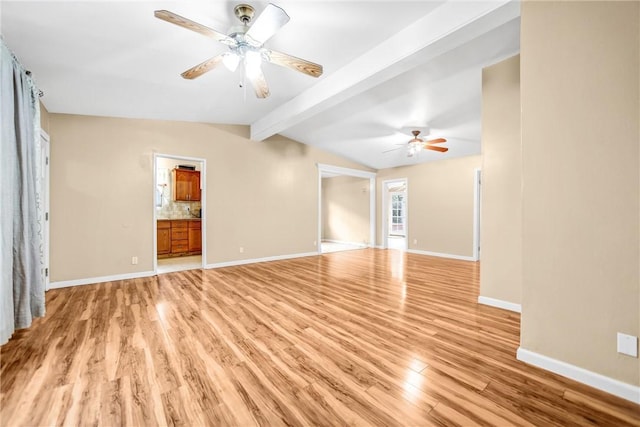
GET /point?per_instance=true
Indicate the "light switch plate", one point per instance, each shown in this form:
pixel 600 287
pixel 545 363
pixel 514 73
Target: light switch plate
pixel 628 344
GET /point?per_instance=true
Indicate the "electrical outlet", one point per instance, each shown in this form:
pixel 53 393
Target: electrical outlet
pixel 315 243
pixel 134 260
pixel 415 241
pixel 627 344
pixel 241 250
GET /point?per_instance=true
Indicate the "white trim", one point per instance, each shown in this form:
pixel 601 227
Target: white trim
pixel 338 170
pixel 154 246
pixel 102 279
pixel 372 211
pixel 607 384
pixel 505 305
pixel 441 255
pixel 319 237
pixel 203 204
pixel 256 260
pixel 477 212
pixel 385 211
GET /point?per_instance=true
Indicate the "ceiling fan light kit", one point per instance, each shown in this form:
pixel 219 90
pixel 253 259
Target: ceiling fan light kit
pixel 230 61
pixel 246 45
pixel 414 148
pixel 417 144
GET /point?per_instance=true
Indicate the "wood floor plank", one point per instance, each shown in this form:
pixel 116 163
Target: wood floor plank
pixel 364 337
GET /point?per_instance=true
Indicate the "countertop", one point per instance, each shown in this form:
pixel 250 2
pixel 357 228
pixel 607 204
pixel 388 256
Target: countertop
pixel 179 219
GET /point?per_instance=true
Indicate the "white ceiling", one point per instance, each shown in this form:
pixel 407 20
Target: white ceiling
pixel 389 66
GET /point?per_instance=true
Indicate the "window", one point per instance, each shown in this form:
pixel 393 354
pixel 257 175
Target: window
pixel 397 226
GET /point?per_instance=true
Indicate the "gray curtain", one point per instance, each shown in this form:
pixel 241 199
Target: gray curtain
pixel 21 254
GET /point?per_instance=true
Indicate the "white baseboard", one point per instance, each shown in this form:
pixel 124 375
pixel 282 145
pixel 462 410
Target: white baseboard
pixel 506 305
pixel 441 255
pixel 601 382
pixel 102 279
pixel 92 280
pixel 255 260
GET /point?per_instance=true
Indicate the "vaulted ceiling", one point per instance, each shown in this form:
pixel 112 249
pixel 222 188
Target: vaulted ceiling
pixel 389 67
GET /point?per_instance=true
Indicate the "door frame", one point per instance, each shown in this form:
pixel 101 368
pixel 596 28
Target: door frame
pixel 477 212
pixel 386 200
pixel 203 203
pixel 338 170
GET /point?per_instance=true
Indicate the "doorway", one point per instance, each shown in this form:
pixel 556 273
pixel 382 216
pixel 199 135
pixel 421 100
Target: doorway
pixel 346 214
pixel 395 214
pixel 179 198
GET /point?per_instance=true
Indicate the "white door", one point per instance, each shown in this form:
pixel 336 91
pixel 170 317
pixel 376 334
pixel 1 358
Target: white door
pixel 395 202
pixel 397 214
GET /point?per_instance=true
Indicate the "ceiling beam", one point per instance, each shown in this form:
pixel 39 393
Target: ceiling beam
pixel 445 28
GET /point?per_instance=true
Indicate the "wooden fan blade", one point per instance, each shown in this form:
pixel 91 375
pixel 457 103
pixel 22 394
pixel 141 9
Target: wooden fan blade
pixel 267 24
pixel 284 60
pixel 436 141
pixel 436 148
pixel 202 68
pixel 259 83
pixel 171 17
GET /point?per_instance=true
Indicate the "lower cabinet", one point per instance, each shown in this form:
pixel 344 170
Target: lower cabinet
pixel 164 237
pixel 195 236
pixel 179 237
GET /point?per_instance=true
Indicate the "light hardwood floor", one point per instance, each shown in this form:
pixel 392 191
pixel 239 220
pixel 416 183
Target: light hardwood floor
pixel 367 337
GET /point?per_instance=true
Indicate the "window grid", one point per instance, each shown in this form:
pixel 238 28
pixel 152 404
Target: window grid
pixel 397 214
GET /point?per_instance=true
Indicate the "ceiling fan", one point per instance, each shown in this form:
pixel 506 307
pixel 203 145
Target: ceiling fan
pixel 415 145
pixel 246 45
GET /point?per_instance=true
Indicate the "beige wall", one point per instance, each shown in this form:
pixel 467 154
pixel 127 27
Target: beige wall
pixel 44 118
pixel 261 196
pixel 345 209
pixel 581 191
pixel 440 204
pixel 501 226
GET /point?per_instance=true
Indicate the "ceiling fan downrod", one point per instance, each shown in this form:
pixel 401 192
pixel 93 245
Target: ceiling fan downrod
pixel 244 13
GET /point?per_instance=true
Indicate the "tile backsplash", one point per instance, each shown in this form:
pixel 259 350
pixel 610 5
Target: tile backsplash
pixel 166 208
pixel 177 210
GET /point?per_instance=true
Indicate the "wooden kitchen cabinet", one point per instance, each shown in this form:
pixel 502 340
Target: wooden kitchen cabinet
pixel 186 185
pixel 195 236
pixel 164 237
pixel 178 237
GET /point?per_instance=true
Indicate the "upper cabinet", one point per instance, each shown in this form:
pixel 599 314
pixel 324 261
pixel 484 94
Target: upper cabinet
pixel 186 185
